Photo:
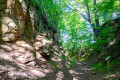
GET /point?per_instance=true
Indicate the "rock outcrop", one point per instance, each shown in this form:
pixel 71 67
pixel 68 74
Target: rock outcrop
pixel 14 19
pixel 22 23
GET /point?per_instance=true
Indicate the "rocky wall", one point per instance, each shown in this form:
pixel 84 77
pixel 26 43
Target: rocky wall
pixel 21 20
pixel 15 19
pixel 42 26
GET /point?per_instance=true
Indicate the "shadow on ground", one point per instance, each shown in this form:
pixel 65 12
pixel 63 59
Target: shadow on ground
pixel 17 63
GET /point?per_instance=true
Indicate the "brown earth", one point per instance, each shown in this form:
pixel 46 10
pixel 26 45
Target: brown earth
pixel 18 63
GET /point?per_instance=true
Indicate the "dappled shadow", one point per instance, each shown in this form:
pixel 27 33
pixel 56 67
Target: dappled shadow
pixel 17 62
pixel 67 69
pixel 6 62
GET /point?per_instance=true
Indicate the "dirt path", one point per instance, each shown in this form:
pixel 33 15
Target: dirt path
pixel 58 68
pixel 68 70
pixel 79 72
pixel 64 69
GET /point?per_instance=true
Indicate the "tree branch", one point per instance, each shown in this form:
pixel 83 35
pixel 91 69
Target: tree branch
pixel 88 11
pixel 84 16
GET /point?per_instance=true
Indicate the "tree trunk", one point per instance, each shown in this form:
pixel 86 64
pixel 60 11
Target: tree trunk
pixel 90 21
pixel 88 18
pixel 96 21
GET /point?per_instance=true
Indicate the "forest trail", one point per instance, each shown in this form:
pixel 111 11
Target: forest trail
pixel 79 72
pixel 18 71
pixel 12 66
pixel 75 71
pixel 35 34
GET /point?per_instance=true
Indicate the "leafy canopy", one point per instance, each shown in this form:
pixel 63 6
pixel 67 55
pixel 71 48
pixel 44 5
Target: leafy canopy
pixel 73 19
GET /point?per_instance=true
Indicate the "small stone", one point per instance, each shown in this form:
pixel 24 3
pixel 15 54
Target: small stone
pixel 43 34
pixel 45 51
pixel 37 48
pixel 22 50
pixel 28 55
pixel 8 48
pixel 93 73
pixel 15 47
pixel 31 63
pixel 61 47
pixel 17 54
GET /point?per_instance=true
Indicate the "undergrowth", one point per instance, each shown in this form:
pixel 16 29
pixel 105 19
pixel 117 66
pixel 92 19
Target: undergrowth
pixel 102 67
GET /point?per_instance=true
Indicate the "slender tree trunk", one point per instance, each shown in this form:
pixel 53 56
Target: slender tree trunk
pixel 96 21
pixel 96 16
pixel 88 11
pixel 90 21
pixel 88 18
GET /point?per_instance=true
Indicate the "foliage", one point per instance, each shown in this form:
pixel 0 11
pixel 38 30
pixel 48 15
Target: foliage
pixel 78 21
pixel 102 66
